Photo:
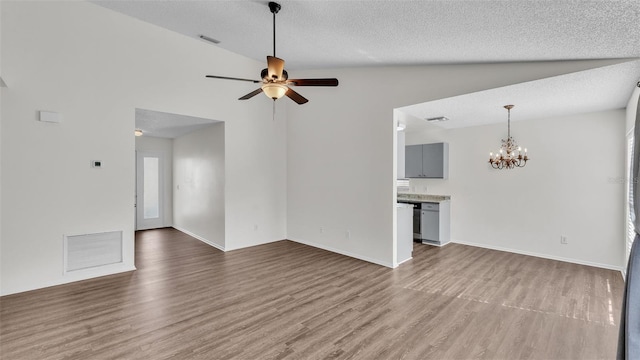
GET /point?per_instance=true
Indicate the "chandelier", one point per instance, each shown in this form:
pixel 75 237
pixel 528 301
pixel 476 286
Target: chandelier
pixel 506 158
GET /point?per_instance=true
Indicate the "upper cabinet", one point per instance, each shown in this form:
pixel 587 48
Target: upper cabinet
pixel 413 161
pixel 429 161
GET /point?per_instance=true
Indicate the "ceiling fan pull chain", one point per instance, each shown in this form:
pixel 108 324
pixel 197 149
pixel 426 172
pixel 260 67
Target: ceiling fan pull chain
pixel 274 110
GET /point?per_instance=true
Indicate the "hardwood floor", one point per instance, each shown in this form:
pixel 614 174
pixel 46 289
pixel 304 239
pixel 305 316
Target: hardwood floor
pixel 285 300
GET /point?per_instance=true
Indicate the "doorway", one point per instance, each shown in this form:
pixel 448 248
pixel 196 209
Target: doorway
pixel 180 172
pixel 149 190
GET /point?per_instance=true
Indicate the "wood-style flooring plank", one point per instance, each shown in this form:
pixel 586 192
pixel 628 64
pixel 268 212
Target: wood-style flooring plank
pixel 285 300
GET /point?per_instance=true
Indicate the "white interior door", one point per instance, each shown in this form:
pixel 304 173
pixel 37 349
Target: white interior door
pixel 149 190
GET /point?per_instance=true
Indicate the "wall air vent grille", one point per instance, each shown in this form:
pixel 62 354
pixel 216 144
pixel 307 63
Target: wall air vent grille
pixel 92 250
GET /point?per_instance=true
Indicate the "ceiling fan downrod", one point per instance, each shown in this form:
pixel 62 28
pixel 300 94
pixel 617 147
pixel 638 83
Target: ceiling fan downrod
pixel 274 7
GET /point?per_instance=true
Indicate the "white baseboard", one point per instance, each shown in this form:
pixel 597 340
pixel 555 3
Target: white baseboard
pixel 404 261
pixel 345 253
pixel 198 237
pixel 111 269
pixel 544 256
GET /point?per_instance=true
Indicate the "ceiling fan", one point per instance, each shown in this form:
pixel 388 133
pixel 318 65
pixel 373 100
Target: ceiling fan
pixel 275 80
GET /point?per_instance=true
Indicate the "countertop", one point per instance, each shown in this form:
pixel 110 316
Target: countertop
pixel 418 198
pixel 402 205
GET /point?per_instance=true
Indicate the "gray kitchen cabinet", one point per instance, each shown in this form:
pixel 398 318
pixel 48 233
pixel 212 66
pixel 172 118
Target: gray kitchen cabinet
pixel 435 223
pixel 413 161
pixel 429 161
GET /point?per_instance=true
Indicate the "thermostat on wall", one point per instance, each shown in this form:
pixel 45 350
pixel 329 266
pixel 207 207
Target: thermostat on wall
pixel 96 163
pixel 48 116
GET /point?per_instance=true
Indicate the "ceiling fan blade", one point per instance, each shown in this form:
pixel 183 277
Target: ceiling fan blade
pixel 275 66
pixel 296 97
pixel 251 94
pixel 313 82
pixel 232 78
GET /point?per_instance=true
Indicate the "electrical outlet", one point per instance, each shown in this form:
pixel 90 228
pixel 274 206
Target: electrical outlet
pixel 321 230
pixel 563 240
pixel 255 227
pixel 348 234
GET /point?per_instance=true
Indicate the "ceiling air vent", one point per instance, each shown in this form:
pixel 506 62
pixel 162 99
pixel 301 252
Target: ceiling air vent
pixel 437 119
pixel 209 39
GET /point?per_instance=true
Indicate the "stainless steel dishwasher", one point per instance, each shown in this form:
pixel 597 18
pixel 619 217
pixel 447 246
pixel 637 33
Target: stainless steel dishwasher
pixel 430 222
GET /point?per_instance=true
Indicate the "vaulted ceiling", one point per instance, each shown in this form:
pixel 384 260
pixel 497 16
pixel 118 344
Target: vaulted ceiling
pixel 326 34
pixel 330 34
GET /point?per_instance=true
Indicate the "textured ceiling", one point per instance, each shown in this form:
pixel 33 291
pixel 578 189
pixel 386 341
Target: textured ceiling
pixel 593 90
pixel 326 34
pixel 330 34
pixel 166 125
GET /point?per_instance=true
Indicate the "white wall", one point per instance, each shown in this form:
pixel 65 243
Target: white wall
pixel 632 108
pixel 340 159
pixel 95 67
pixel 1 101
pixel 569 188
pixel 199 180
pixel 164 146
pixel 255 181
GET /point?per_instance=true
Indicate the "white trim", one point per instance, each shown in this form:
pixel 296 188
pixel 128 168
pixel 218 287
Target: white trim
pixel 345 253
pixel 432 244
pixel 403 261
pixel 252 245
pixel 198 237
pixel 77 276
pixel 544 256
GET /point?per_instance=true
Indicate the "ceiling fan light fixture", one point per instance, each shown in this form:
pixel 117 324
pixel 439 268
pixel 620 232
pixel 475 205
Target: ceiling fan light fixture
pixel 274 90
pixel 275 79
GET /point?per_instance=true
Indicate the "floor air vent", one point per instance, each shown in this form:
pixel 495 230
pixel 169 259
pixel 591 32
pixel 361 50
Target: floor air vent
pixel 92 250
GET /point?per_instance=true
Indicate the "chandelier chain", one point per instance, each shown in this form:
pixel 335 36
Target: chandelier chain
pixel 509 123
